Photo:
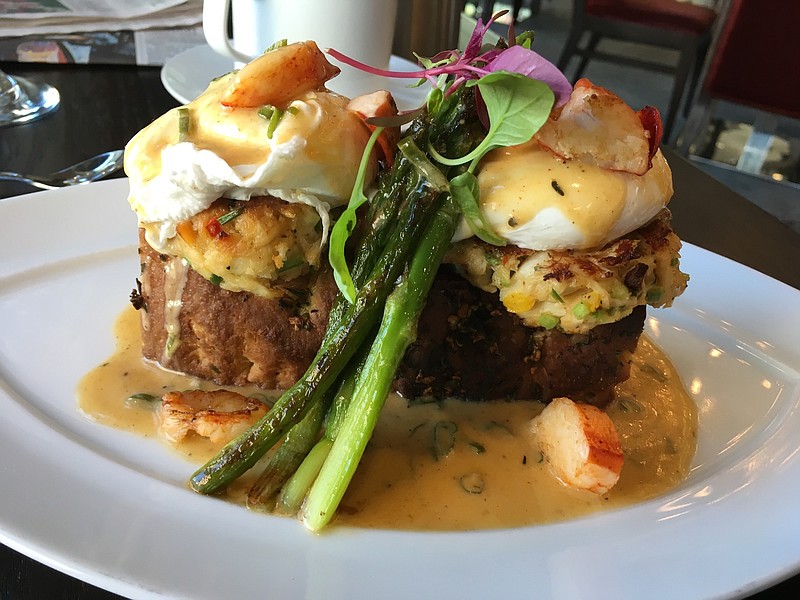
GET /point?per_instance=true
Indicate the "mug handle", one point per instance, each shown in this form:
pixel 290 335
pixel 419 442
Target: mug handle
pixel 215 28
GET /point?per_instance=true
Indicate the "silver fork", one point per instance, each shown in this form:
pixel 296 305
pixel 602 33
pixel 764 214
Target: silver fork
pixel 85 171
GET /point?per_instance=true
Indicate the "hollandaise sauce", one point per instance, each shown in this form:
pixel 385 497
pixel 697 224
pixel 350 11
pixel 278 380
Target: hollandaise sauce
pixel 447 465
pixel 536 199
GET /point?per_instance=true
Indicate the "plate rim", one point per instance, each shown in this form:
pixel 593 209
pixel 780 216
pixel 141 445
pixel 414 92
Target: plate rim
pixel 349 540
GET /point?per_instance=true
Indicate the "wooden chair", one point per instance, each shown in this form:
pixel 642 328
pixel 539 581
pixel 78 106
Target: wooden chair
pixel 672 24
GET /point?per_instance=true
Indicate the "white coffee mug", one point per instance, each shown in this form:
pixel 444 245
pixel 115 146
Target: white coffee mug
pixel 361 29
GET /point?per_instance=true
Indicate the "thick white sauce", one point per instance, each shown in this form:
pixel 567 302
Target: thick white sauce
pixel 493 477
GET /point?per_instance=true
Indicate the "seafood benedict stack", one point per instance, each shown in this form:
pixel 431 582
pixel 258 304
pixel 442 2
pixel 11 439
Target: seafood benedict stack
pixel 502 245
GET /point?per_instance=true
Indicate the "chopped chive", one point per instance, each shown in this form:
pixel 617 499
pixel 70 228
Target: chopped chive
pixel 215 279
pixel 229 216
pixel 171 345
pixel 547 320
pixel 580 310
pixel 274 121
pixel 276 45
pixel 654 294
pixel 184 123
pixel 479 448
pixel 556 296
pixel 444 438
pixel 291 264
pixel 274 116
pixel 472 483
pixel 143 397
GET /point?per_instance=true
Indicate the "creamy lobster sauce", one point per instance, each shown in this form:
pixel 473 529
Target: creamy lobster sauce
pixel 489 472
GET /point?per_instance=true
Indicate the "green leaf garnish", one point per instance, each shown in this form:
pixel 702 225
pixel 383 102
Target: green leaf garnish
pixel 517 106
pixel 347 221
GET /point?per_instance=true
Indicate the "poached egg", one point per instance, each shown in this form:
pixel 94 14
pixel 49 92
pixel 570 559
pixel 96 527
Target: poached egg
pixel 311 157
pixel 540 201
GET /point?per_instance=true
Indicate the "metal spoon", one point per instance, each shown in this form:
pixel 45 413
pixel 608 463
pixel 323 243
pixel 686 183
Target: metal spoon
pixel 85 171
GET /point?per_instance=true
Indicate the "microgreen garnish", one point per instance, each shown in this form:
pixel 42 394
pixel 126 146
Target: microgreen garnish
pixel 517 89
pixel 422 164
pixel 475 62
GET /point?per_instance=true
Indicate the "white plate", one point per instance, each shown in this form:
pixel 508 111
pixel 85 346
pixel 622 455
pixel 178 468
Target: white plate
pixel 187 74
pixel 113 509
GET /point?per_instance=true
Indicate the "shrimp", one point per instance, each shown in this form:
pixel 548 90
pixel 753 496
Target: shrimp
pixel 597 127
pixel 581 444
pixel 279 76
pixel 219 415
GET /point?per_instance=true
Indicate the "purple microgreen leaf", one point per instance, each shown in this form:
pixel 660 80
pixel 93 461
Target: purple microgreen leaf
pixel 374 70
pixel 518 59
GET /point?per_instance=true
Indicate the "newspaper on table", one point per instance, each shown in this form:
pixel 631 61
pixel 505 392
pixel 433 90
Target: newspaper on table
pixel 144 32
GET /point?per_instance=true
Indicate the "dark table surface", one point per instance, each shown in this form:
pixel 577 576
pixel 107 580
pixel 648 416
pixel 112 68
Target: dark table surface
pixel 104 106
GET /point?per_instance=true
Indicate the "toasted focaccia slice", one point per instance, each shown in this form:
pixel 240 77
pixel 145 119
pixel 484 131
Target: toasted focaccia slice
pixel 580 443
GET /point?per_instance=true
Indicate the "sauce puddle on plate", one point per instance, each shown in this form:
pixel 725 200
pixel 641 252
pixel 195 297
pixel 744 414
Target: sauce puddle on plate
pixel 447 465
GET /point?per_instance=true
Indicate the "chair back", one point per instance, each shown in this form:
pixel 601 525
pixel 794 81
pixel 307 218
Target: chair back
pixel 755 59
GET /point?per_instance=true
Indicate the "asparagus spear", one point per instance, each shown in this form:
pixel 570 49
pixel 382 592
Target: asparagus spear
pixel 396 333
pixel 288 457
pixel 294 492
